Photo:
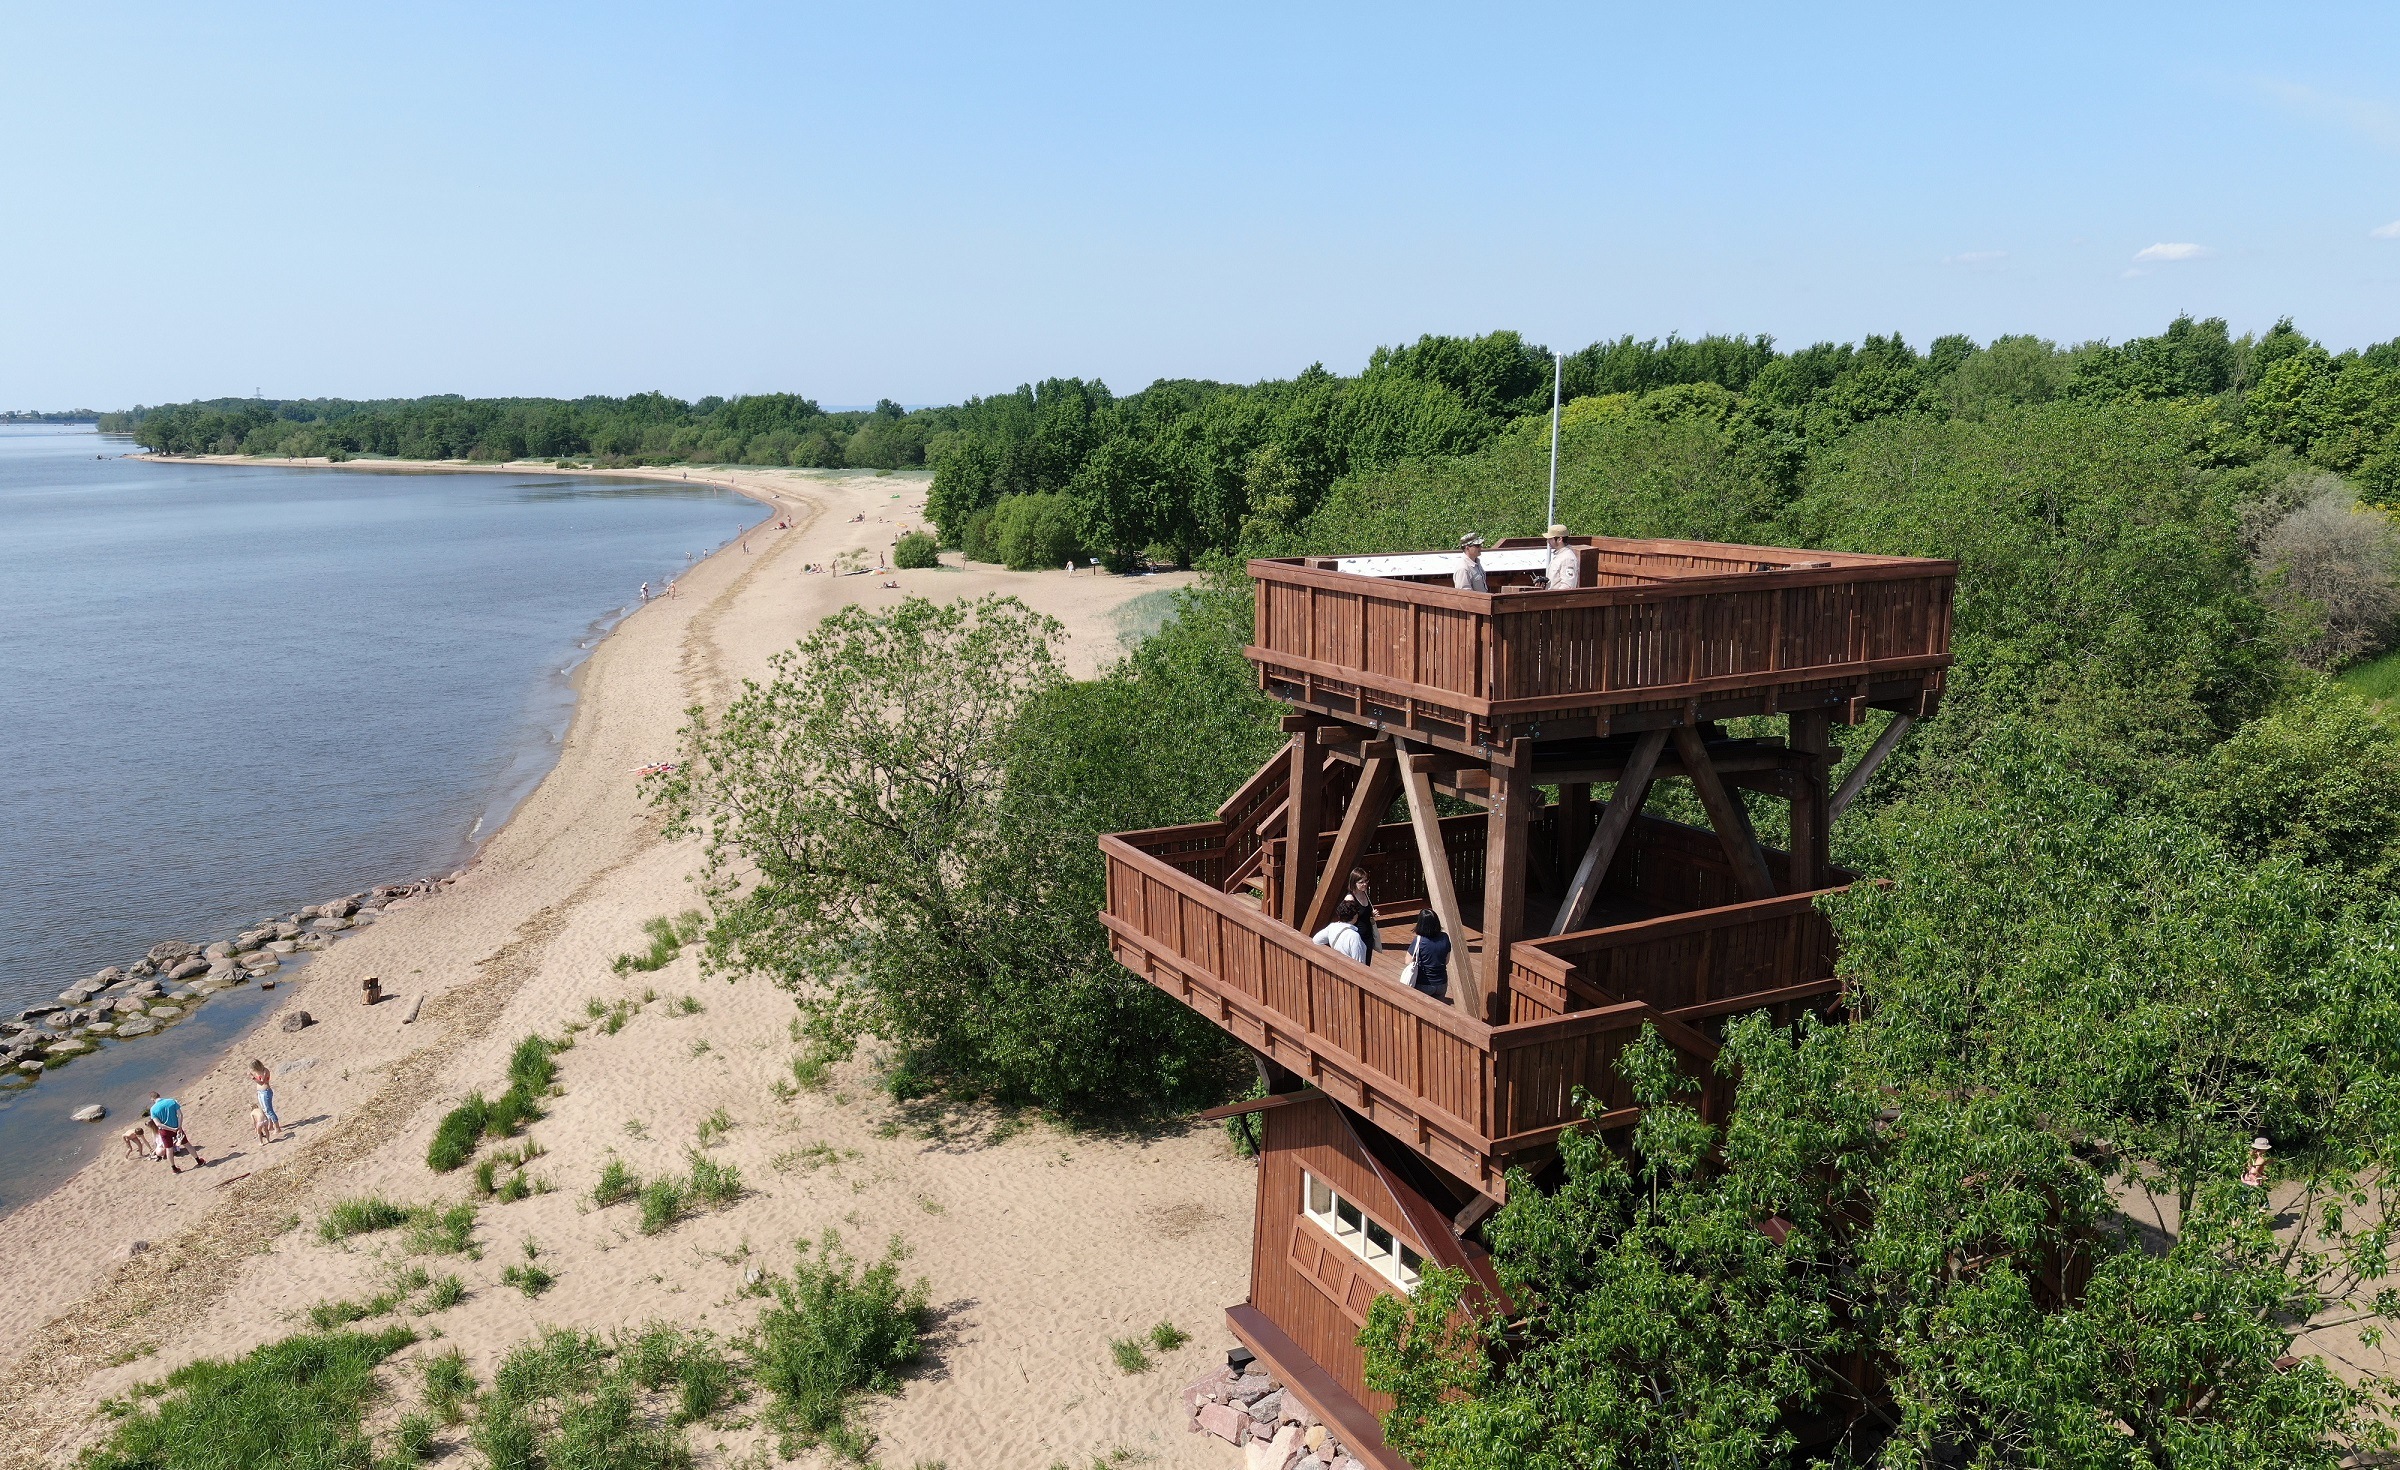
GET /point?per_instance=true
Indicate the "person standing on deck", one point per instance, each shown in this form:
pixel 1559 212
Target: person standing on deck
pixel 1469 576
pixel 1341 936
pixel 1367 927
pixel 1428 967
pixel 1566 562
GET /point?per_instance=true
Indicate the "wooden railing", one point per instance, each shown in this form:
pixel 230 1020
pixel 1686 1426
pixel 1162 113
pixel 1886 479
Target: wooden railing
pixel 1775 954
pixel 1462 1093
pixel 1471 666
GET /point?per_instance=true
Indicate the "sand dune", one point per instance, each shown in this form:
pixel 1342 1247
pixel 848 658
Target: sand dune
pixel 1039 1247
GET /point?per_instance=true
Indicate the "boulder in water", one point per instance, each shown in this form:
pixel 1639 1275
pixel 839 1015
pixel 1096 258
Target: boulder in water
pixel 168 952
pixel 88 1113
pixel 136 1026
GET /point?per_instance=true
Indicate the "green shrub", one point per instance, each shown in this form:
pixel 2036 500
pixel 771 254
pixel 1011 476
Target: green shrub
pixel 835 1332
pixel 298 1401
pixel 616 1183
pixel 714 1127
pixel 361 1217
pixel 454 1140
pixel 485 1172
pixel 663 1203
pixel 914 551
pixel 976 542
pixel 1034 532
pixel 446 1292
pixel 1167 1337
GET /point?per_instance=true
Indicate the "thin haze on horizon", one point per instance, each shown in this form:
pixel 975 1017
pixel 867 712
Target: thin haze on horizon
pixel 926 202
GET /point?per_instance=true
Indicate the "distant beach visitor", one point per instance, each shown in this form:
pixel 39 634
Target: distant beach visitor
pixel 268 1124
pixel 1428 967
pixel 141 1140
pixel 645 592
pixel 1341 936
pixel 167 1113
pixel 1469 576
pixel 1566 562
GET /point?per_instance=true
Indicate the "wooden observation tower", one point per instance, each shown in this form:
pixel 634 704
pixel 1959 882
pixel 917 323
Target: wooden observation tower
pixel 1393 1117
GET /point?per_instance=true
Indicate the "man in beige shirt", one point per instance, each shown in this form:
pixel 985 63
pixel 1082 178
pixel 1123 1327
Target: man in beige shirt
pixel 1469 577
pixel 1566 562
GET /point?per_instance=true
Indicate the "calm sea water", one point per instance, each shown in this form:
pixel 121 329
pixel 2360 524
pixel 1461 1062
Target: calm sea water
pixel 226 691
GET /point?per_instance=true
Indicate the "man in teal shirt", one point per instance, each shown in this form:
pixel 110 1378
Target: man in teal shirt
pixel 167 1113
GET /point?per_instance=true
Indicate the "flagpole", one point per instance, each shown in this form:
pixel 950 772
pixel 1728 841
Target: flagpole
pixel 1558 373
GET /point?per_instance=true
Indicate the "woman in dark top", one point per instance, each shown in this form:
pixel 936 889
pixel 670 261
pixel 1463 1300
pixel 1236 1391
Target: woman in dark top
pixel 1430 953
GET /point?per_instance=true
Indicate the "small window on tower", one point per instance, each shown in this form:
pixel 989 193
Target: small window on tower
pixel 1379 1243
pixel 1346 1217
pixel 1320 1198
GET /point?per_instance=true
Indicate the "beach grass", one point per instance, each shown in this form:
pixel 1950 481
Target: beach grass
pixel 714 1183
pixel 361 1216
pixel 298 1401
pixel 569 1399
pixel 617 1182
pixel 449 1384
pixel 663 1201
pixel 1127 1353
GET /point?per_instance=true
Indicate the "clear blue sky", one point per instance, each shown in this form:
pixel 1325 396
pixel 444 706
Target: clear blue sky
pixel 925 202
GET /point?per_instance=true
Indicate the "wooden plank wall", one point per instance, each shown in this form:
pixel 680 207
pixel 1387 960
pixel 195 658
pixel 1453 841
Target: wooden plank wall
pixel 1694 966
pixel 1410 642
pixel 1313 1288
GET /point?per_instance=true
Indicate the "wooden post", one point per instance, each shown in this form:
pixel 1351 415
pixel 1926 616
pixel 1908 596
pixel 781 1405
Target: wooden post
pixel 1378 783
pixel 1725 813
pixel 1812 854
pixel 1504 853
pixel 1442 893
pixel 1304 819
pixel 1633 788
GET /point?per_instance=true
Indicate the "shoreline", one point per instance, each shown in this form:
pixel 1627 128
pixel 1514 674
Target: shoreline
pixel 523 942
pixel 158 1053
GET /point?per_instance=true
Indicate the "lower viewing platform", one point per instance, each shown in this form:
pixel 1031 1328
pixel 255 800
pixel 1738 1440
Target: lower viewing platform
pixel 1667 946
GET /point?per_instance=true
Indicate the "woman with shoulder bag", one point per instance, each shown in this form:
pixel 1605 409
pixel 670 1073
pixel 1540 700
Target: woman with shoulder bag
pixel 1428 967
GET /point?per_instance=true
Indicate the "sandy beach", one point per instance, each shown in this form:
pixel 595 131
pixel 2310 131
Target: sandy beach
pixel 1039 1246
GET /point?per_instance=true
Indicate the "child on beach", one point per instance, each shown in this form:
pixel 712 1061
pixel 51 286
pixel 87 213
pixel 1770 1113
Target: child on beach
pixel 264 1114
pixel 141 1140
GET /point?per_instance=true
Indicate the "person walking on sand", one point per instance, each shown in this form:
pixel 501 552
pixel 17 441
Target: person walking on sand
pixel 167 1113
pixel 269 1126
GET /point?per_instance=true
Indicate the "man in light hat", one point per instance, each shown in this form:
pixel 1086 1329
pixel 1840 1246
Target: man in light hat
pixel 1469 576
pixel 1566 562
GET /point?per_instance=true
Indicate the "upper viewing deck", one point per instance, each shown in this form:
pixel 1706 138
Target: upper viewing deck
pixel 1486 759
pixel 1659 633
